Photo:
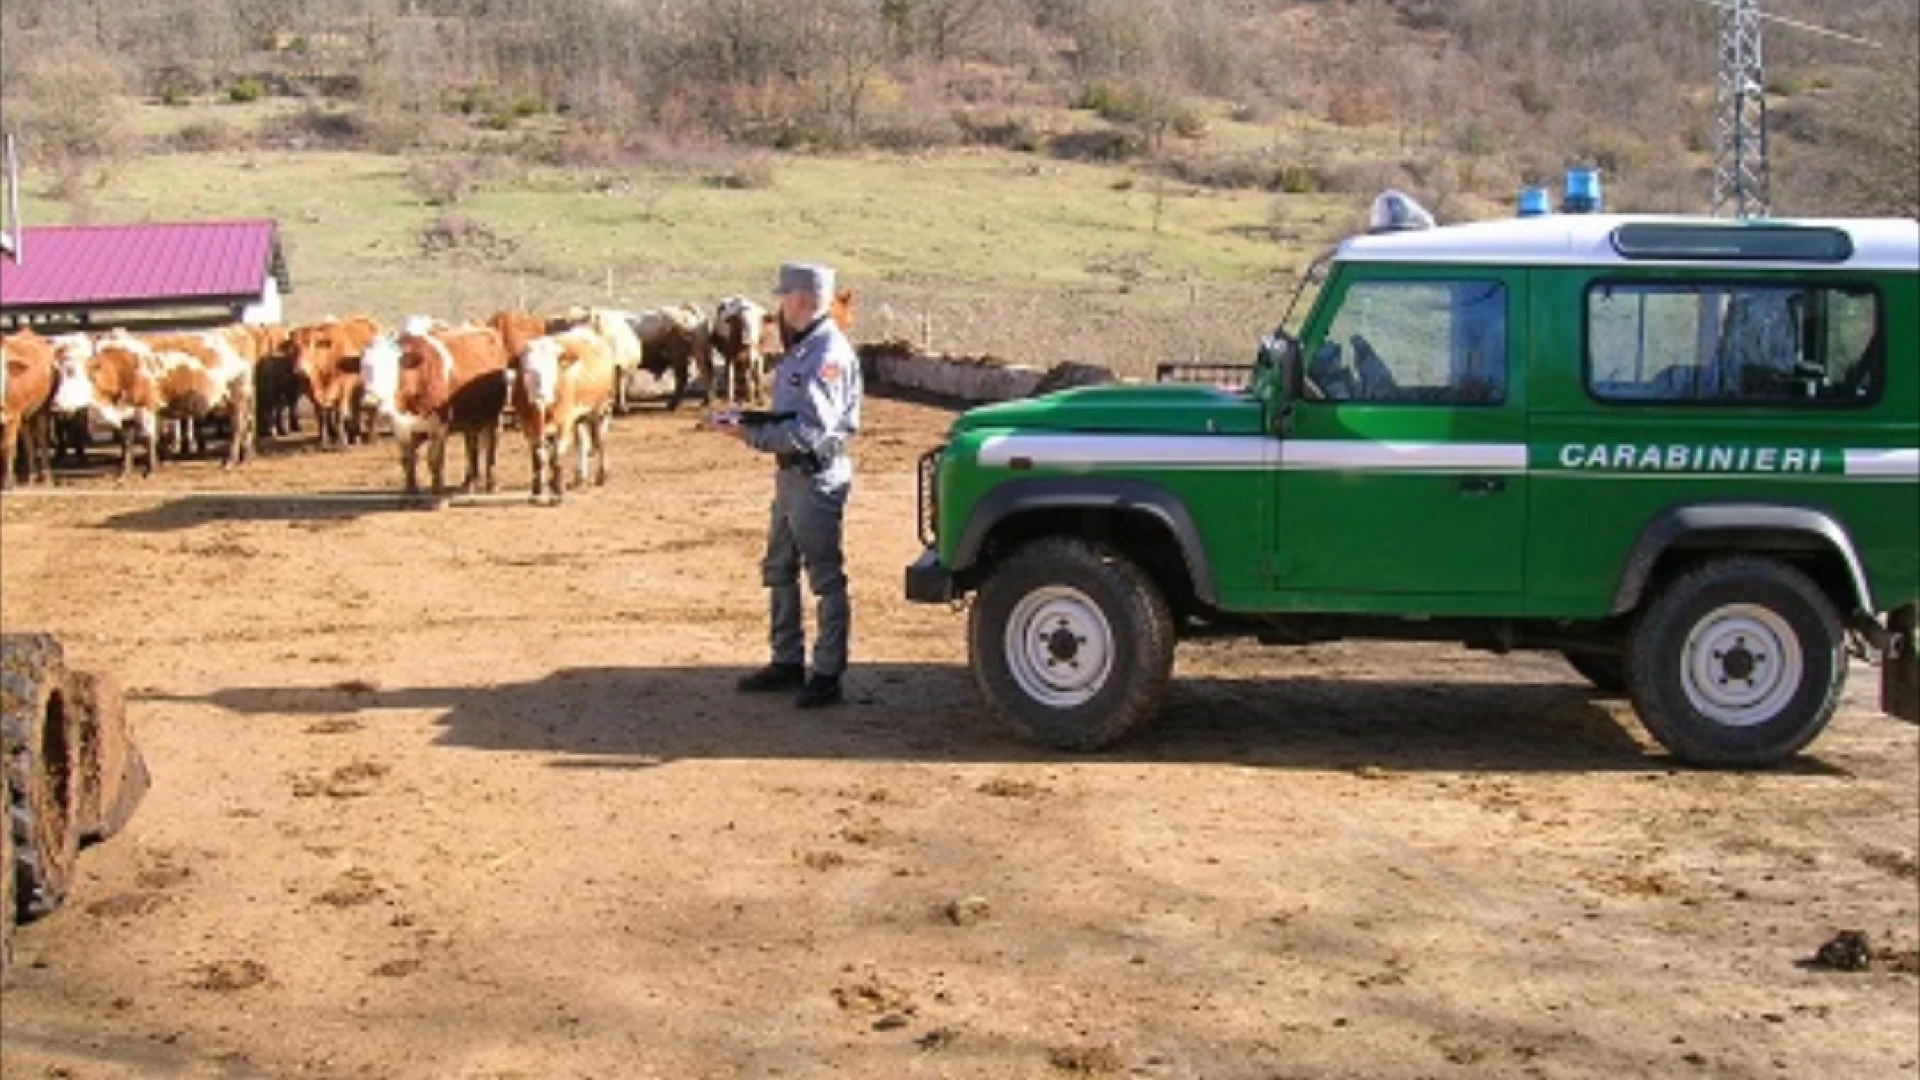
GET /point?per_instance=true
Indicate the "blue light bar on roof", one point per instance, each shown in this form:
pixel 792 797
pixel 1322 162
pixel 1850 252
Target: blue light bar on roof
pixel 1583 191
pixel 1534 202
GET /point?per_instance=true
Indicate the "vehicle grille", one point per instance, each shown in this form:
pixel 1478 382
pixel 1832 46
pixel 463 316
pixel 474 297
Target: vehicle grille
pixel 927 498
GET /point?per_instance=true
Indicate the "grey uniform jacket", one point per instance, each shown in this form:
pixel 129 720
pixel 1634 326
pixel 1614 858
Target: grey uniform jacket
pixel 818 382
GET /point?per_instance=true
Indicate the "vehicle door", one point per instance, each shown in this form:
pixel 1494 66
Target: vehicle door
pixel 1403 467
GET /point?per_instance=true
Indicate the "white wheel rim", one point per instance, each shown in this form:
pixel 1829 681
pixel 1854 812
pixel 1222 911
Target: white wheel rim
pixel 1059 646
pixel 1743 664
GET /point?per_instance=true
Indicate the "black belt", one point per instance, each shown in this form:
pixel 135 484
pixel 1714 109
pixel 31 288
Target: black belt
pixel 806 463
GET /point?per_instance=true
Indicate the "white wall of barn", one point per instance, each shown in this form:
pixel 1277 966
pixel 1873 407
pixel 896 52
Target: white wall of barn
pixel 267 308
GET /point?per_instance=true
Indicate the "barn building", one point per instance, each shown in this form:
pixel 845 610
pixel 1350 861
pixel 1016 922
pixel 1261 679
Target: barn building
pixel 96 276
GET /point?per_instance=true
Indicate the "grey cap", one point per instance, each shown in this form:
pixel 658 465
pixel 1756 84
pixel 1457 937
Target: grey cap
pixel 805 277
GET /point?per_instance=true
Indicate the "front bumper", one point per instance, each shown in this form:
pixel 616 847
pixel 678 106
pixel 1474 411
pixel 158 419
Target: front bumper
pixel 928 582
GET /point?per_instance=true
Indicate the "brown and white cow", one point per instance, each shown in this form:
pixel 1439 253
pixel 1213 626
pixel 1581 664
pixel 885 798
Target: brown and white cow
pixel 516 328
pixel 431 383
pixel 564 397
pixel 672 339
pixel 325 356
pixel 217 380
pixel 744 336
pixel 114 380
pixel 842 310
pixel 26 419
pixel 616 328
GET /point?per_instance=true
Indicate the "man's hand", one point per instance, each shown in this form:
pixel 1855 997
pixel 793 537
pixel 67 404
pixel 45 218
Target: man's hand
pixel 728 424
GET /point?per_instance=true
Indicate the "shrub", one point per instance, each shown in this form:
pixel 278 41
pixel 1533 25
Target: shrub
pixel 1097 144
pixel 1534 99
pixel 1251 112
pixel 204 136
pixel 1784 85
pixel 1231 171
pixel 1190 124
pixel 1097 97
pixel 1297 179
pixel 753 174
pixel 175 95
pixel 445 181
pixel 1011 133
pixel 1475 138
pixel 246 90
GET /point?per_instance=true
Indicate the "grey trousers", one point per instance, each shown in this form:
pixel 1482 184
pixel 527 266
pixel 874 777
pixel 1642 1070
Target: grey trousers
pixel 806 530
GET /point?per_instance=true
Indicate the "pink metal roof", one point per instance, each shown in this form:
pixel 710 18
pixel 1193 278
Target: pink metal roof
pixel 79 266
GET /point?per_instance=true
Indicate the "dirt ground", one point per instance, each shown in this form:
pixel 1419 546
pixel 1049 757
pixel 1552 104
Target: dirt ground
pixel 467 793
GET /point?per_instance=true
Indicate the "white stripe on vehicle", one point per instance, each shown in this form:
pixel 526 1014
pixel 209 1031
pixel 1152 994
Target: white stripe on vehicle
pixel 1091 451
pixel 1374 456
pixel 1884 464
pixel 1122 451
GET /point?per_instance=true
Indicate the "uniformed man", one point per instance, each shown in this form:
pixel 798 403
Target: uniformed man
pixel 815 411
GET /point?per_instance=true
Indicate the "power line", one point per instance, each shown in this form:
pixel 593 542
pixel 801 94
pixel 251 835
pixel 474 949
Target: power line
pixel 1796 24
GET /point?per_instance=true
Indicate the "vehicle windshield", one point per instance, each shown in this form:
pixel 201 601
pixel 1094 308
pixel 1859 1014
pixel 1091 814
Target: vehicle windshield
pixel 1285 335
pixel 1310 279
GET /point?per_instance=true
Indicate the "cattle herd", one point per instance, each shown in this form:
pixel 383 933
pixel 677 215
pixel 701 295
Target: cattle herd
pixel 557 378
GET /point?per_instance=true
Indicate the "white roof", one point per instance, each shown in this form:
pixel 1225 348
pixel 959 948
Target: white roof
pixel 1586 239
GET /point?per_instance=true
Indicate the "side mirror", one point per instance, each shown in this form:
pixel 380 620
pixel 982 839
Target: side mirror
pixel 1279 360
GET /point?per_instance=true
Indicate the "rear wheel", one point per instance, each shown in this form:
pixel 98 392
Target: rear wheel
pixel 1070 644
pixel 1737 662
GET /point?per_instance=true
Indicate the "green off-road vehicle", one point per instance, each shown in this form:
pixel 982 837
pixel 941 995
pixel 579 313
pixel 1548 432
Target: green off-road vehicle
pixel 1683 452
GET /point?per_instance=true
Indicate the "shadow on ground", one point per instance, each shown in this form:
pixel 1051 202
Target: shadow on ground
pixel 605 717
pixel 193 511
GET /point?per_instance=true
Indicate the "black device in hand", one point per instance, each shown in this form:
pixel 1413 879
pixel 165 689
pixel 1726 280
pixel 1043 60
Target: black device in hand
pixel 751 417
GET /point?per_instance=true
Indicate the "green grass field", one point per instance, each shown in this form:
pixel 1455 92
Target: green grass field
pixel 1022 256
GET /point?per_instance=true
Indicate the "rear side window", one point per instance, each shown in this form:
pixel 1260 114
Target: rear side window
pixel 1415 342
pixel 1733 344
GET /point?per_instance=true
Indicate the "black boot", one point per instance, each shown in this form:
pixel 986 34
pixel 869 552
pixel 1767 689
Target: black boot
pixel 820 691
pixel 773 677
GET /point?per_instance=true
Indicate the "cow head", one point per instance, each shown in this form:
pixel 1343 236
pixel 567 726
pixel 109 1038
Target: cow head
pixel 72 356
pixel 425 375
pixel 842 310
pixel 316 353
pixel 380 373
pixel 540 371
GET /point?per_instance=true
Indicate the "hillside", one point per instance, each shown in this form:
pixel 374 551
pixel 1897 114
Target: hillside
pixel 1046 179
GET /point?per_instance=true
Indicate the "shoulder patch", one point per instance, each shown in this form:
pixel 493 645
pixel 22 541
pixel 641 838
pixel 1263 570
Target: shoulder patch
pixel 830 371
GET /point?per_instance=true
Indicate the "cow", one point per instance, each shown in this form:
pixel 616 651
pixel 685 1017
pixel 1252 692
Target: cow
pixel 72 434
pixel 673 338
pixel 325 356
pixel 114 380
pixel 616 328
pixel 842 310
pixel 744 336
pixel 431 383
pixel 564 396
pixel 218 380
pixel 26 418
pixel 516 328
pixel 276 385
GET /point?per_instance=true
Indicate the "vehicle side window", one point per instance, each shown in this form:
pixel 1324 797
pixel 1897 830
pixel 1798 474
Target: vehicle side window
pixel 1415 342
pixel 1733 344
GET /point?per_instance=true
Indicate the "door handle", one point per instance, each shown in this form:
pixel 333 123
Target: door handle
pixel 1482 485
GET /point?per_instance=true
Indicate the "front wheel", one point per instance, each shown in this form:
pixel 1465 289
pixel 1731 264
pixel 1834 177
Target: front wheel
pixel 1070 644
pixel 1737 663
